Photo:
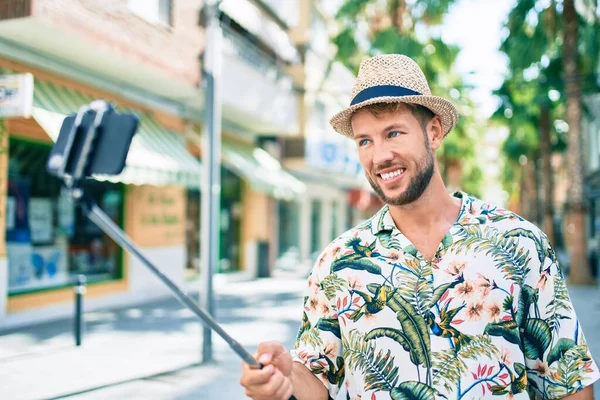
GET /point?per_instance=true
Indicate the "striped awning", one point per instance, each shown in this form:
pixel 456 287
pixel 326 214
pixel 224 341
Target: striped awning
pixel 156 157
pixel 263 172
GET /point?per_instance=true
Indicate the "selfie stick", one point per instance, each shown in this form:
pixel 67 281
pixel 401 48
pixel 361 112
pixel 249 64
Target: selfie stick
pixel 95 214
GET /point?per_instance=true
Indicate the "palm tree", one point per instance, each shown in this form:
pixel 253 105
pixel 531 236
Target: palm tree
pixel 550 42
pixel 580 272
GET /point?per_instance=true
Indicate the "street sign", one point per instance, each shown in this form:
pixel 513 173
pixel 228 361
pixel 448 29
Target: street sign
pixel 16 95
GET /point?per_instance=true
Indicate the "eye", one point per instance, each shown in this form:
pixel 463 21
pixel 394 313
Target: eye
pixel 363 142
pixel 394 134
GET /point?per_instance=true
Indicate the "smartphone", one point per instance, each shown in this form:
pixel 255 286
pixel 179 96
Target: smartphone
pixel 108 150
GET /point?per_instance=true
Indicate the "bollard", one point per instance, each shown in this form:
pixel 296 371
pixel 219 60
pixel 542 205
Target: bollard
pixel 79 292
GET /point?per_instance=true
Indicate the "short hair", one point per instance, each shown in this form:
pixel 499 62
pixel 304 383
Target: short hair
pixel 421 113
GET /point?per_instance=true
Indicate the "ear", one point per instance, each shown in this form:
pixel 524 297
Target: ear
pixel 435 131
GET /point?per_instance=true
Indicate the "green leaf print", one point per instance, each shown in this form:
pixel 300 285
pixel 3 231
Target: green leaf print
pixel 558 351
pixel 506 329
pixel 386 240
pixel 447 241
pixel 332 284
pixel 569 372
pixel 560 302
pixel 330 325
pixel 512 259
pixel 311 337
pixel 507 304
pixel 528 297
pixel 542 245
pixel 411 250
pixel 413 283
pixel 449 365
pixel 381 220
pixel 396 335
pixel 414 328
pixel 383 374
pixel 361 264
pixel 412 390
pixel 378 367
pixel 537 337
pixel 440 290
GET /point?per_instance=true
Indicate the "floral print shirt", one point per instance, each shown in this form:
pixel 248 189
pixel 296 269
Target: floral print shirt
pixel 488 317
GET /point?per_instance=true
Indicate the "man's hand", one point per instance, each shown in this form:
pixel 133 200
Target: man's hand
pixel 273 382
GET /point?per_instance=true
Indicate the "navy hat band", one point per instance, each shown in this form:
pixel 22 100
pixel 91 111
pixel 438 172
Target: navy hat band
pixel 382 91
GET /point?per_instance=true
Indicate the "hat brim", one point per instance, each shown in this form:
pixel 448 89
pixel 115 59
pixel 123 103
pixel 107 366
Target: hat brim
pixel 440 106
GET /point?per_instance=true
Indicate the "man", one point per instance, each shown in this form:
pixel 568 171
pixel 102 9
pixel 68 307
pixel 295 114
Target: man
pixel 437 296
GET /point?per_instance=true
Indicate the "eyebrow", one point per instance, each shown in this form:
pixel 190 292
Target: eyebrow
pixel 361 136
pixel 395 126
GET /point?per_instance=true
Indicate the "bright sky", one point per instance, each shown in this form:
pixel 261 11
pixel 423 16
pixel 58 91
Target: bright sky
pixel 476 26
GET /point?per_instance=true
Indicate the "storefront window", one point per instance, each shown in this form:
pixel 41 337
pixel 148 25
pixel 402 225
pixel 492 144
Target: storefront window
pixel 231 221
pixel 193 228
pixel 289 230
pixel 334 220
pixel 48 239
pixel 315 228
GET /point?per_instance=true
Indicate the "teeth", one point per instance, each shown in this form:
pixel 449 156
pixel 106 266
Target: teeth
pixel 390 175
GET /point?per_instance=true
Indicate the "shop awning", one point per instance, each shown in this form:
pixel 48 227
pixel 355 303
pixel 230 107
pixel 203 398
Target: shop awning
pixel 262 171
pixel 156 157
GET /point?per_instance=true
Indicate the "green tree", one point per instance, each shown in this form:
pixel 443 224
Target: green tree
pixel 552 50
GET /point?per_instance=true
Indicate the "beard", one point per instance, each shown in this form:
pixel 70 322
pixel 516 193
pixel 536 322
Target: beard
pixel 417 184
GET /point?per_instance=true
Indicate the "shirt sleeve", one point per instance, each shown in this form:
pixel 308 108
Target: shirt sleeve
pixel 557 358
pixel 318 343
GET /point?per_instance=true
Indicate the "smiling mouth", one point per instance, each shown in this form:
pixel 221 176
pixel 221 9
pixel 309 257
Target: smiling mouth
pixel 388 176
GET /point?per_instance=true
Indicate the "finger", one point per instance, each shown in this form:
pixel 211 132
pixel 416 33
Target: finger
pixel 289 392
pixel 254 377
pixel 273 385
pixel 285 390
pixel 269 350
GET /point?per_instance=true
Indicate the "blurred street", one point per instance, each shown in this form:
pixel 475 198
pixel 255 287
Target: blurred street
pixel 152 352
pixel 216 156
pixel 148 352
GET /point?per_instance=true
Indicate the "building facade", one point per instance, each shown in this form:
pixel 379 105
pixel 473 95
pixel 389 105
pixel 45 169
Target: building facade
pixel 144 57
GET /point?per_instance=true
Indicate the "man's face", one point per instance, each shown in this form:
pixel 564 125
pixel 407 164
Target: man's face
pixel 395 153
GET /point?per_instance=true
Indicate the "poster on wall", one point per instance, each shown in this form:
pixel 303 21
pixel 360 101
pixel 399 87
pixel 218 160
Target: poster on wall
pixel 157 215
pixel 36 267
pixel 66 216
pixel 11 205
pixel 18 232
pixel 20 269
pixel 16 95
pixel 41 220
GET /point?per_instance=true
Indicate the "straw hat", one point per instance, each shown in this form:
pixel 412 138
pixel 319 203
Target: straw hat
pixel 392 78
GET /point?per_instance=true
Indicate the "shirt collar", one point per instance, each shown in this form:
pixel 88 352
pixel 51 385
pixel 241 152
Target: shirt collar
pixel 383 221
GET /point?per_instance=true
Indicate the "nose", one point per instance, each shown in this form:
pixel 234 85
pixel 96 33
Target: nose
pixel 382 154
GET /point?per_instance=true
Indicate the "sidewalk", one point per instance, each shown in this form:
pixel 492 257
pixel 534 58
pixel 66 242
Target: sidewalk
pixel 151 352
pixel 125 345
